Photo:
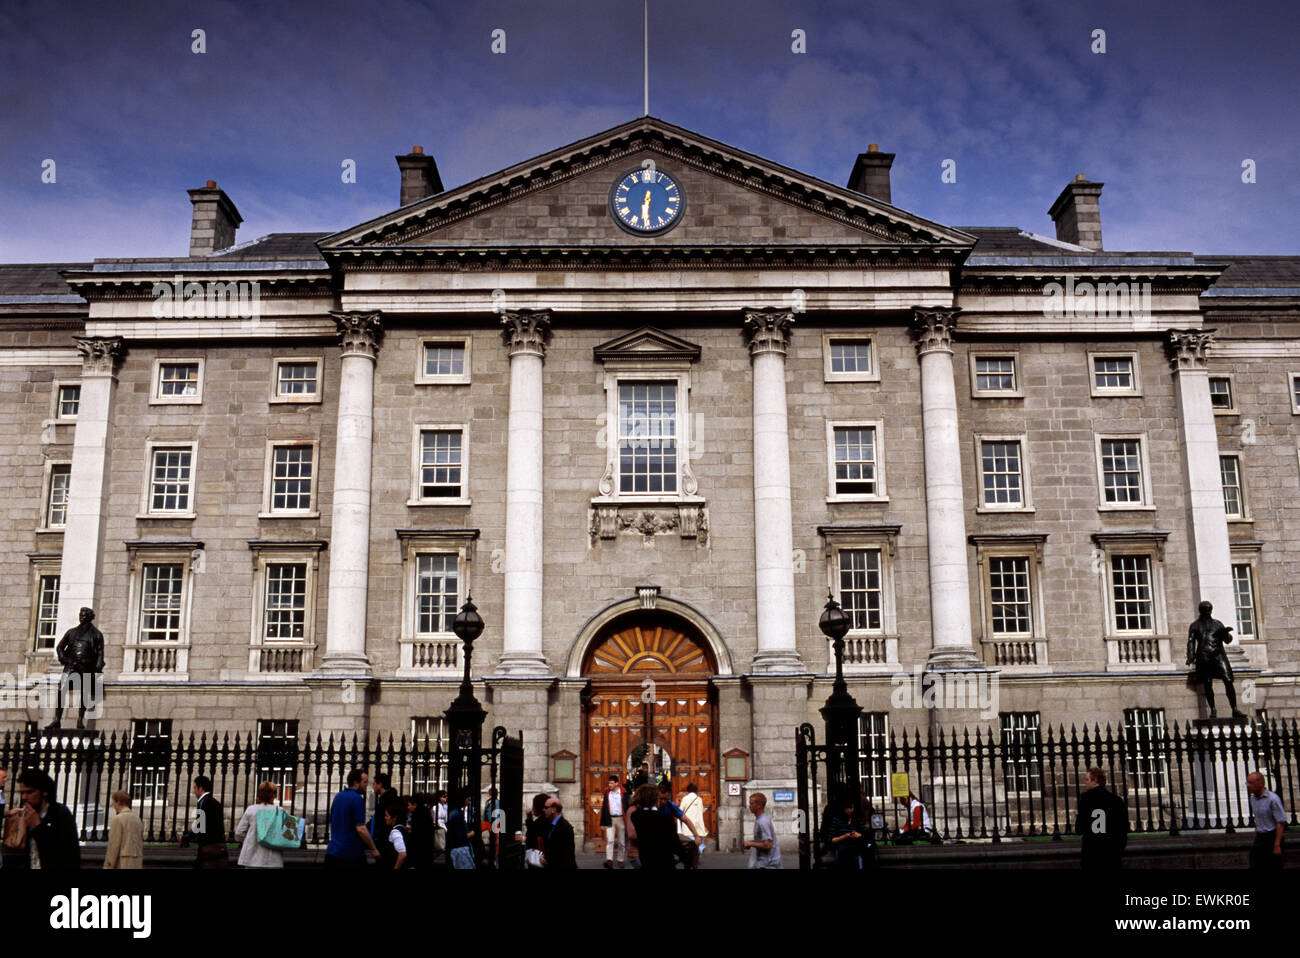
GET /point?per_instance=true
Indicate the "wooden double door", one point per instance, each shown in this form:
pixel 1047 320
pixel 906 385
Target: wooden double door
pixel 650 700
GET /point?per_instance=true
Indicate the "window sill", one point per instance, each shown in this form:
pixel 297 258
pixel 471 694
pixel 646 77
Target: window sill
pixel 450 381
pixel 187 401
pixel 651 499
pixel 997 395
pixel 1236 520
pixel 1116 394
pixel 1125 508
pixel 860 499
pixel 852 377
pixel 1004 510
pixel 48 529
pixel 166 515
pixel 294 401
pixel 288 515
pixel 414 503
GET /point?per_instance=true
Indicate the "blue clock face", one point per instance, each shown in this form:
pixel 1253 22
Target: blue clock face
pixel 646 201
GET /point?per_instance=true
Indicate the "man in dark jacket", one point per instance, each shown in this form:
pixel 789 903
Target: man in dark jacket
pixel 557 840
pixel 209 832
pixel 51 830
pixel 1103 824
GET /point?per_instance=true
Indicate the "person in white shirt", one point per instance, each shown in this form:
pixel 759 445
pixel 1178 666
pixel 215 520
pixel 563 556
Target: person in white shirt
pixel 692 807
pixel 611 818
pixel 252 854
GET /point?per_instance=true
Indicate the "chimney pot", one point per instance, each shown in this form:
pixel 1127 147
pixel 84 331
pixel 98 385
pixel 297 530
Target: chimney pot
pixel 214 221
pixel 1077 213
pixel 870 174
pixel 420 178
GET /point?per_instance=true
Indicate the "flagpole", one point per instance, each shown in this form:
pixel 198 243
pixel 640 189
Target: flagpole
pixel 645 56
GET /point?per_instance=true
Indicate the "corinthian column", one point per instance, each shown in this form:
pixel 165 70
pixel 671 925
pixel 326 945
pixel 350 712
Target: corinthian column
pixel 951 646
pixel 768 334
pixel 83 533
pixel 345 645
pixel 1211 555
pixel 526 334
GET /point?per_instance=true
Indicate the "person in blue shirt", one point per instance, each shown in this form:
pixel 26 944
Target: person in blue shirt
pixel 349 837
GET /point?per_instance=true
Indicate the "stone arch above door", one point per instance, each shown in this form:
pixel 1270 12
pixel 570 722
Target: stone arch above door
pixel 667 613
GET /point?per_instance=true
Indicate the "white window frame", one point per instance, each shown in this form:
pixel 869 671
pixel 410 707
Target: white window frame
pixel 268 481
pixel 881 494
pixel 43 566
pixel 1101 392
pixel 1148 500
pixel 1231 379
pixel 146 503
pixel 1029 769
pixel 159 782
pixel 416 450
pixel 884 538
pixel 296 398
pixel 1244 515
pixel 1030 547
pixel 1026 503
pixel 1017 392
pixel 55 412
pixel 47 490
pixel 156 397
pixel 1134 773
pixel 1250 561
pixel 872 376
pixel 1152 545
pixel 1292 380
pixel 267 553
pixel 457 379
pixel 611 481
pixel 143 554
pixel 415 543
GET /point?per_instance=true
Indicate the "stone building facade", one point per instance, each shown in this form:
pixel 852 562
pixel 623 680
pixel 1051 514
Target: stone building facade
pixel 275 469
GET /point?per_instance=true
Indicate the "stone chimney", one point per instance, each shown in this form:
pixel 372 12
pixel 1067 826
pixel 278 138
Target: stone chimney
pixel 420 178
pixel 870 174
pixel 1077 213
pixel 215 220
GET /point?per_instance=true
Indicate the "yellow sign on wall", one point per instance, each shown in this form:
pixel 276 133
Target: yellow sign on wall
pixel 898 785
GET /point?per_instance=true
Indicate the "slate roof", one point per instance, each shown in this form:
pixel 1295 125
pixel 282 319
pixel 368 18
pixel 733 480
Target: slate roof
pixel 37 283
pixel 287 246
pixel 1255 275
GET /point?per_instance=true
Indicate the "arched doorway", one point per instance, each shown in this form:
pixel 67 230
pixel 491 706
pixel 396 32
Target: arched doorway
pixel 649 700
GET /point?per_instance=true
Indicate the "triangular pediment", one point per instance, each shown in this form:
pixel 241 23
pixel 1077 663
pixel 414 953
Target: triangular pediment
pixel 647 344
pixel 560 200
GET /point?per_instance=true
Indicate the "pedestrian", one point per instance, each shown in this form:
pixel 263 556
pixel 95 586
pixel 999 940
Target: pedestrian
pixel 350 839
pixel 1102 824
pixel 51 830
pixel 846 834
pixel 693 813
pixel 558 844
pixel 381 785
pixel 252 853
pixel 420 828
pixel 687 850
pixel 491 808
pixel 642 776
pixel 209 831
pixel 916 827
pixel 653 829
pixel 764 850
pixel 440 814
pixel 611 819
pixel 393 813
pixel 1270 823
pixel 125 835
pixel 460 850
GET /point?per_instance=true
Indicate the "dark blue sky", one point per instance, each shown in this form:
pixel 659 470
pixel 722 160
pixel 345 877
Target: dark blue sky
pixel 287 90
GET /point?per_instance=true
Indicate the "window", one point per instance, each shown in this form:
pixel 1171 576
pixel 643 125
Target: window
pixel 1234 498
pixel 67 401
pixel 1009 595
pixel 647 438
pixel 860 588
pixel 47 611
pixel 1124 477
pixel 430 743
pixel 440 458
pixel 296 380
pixel 150 759
pixel 161 601
pixel 1243 590
pixel 56 498
pixel 873 756
pixel 1010 574
pixel 1114 374
pixel 436 593
pixel 1022 769
pixel 444 361
pixel 171 480
pixel 849 359
pixel 1003 473
pixel 284 583
pixel 994 376
pixel 290 489
pixel 285 607
pixel 1295 393
pixel 855 461
pixel 177 381
pixel 1144 741
pixel 1130 578
pixel 277 754
pixel 1221 397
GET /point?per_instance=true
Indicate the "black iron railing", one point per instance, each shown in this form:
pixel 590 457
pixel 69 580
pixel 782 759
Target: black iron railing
pixel 992 786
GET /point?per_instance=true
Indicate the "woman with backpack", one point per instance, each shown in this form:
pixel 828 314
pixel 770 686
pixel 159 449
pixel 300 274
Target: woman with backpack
pixel 393 813
pixel 254 854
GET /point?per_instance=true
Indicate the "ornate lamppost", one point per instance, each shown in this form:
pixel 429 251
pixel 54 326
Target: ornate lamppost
pixel 842 712
pixel 465 717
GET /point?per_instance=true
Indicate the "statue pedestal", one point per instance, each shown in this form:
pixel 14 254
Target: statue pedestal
pixel 1220 754
pixel 75 759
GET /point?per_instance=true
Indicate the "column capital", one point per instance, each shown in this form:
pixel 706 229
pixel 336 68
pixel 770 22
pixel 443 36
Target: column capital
pixel 1187 348
pixel 932 328
pixel 360 333
pixel 768 330
pixel 100 355
pixel 526 331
